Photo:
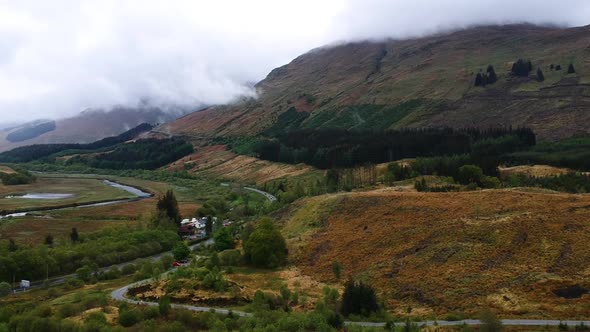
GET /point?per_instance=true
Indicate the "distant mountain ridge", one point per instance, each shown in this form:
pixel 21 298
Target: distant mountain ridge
pixel 419 82
pixel 86 127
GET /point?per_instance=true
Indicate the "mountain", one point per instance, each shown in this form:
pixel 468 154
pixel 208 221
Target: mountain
pixel 419 82
pixel 86 127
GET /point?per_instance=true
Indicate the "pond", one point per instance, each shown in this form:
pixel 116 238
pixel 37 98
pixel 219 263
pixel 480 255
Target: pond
pixel 44 196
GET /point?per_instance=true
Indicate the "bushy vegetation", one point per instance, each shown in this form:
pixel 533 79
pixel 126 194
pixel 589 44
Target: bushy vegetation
pixel 572 153
pixel 570 182
pixel 93 250
pixel 358 299
pixel 20 176
pixel 265 246
pixel 43 151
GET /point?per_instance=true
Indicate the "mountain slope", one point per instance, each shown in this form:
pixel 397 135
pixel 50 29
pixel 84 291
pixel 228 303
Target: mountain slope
pixel 419 82
pixel 509 250
pixel 88 126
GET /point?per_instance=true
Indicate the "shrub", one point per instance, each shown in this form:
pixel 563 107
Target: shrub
pixel 358 299
pixel 230 257
pixel 266 246
pixel 223 239
pixel 336 269
pixel 489 322
pixel 128 318
pixel 164 305
pixel 68 310
pixel 470 174
pixel 181 251
pixel 5 289
pixel 128 269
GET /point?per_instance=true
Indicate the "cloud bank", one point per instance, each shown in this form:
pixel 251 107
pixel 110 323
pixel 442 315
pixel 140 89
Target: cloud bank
pixel 60 57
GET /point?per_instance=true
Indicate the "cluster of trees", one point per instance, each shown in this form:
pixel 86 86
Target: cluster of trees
pixel 264 246
pixel 522 68
pixel 358 299
pixel 350 178
pixel 43 151
pixel 167 209
pixel 142 154
pixel 489 77
pixel 103 248
pixel 572 153
pixel 27 133
pixel 340 148
pixel 20 176
pixel 570 182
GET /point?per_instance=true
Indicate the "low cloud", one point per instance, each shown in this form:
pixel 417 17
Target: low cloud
pixel 60 57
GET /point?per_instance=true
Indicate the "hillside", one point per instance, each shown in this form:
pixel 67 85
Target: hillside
pixel 88 126
pixel 422 82
pixel 439 253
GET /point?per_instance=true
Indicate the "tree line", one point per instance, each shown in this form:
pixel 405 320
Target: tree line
pixel 42 151
pixel 148 153
pixel 341 148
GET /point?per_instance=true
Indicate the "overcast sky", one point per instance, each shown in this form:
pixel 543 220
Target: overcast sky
pixel 60 57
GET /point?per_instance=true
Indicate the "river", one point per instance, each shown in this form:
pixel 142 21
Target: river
pixel 132 190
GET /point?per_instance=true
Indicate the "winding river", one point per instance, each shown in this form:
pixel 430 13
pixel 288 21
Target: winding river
pixel 139 194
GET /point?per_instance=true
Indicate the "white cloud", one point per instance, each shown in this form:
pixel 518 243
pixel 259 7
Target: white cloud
pixel 60 57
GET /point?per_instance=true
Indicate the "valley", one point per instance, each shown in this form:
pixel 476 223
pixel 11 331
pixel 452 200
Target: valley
pixel 438 183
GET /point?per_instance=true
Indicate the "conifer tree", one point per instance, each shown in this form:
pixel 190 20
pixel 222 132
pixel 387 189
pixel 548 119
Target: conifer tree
pixel 540 76
pixel 570 69
pixel 478 80
pixel 168 205
pixel 492 77
pixel 74 235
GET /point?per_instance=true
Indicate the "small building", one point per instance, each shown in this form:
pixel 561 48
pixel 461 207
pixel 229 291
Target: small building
pixel 186 230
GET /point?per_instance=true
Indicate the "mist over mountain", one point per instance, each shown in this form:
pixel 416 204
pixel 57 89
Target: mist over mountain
pixel 60 58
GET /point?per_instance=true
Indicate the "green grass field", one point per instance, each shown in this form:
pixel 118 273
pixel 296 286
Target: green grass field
pixel 83 191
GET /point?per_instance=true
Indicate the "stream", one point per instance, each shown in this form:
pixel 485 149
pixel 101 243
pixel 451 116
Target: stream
pixel 132 190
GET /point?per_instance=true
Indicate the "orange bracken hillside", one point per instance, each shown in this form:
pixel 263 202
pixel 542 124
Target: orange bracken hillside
pixel 451 252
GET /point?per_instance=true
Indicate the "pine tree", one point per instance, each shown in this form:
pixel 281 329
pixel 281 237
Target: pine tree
pixel 484 80
pixel 478 80
pixel 558 67
pixel 49 240
pixel 358 299
pixel 570 69
pixel 551 67
pixel 540 76
pixel 74 235
pixel 12 247
pixel 521 68
pixel 168 205
pixel 492 77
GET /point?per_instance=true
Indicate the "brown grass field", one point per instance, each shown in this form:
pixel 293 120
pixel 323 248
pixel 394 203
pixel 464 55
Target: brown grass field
pixel 217 162
pixel 446 253
pixel 533 170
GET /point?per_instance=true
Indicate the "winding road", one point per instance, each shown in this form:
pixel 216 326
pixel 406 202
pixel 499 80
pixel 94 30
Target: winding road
pixel 119 295
pixel 264 193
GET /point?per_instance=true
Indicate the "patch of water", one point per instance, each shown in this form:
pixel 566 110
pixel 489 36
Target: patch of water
pixel 45 196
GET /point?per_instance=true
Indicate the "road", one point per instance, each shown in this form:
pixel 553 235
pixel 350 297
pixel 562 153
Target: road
pixel 119 295
pixel 264 193
pixel 60 280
